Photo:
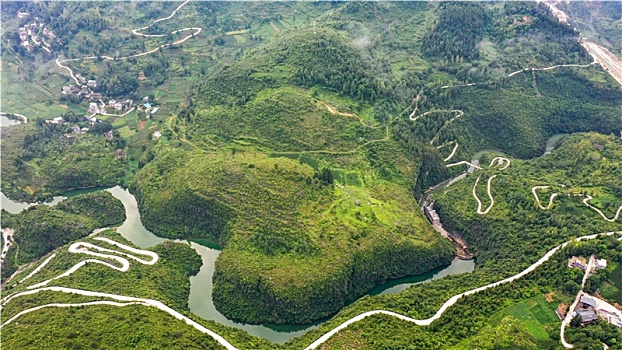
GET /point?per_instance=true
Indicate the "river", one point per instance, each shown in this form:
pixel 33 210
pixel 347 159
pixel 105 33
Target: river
pixel 200 299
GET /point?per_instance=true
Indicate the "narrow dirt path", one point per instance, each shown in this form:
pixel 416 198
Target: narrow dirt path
pixel 277 29
pixel 333 110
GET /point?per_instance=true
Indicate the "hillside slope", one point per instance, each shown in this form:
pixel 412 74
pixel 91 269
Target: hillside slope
pixel 310 202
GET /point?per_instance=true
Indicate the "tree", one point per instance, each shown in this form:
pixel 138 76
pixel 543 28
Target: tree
pixel 575 322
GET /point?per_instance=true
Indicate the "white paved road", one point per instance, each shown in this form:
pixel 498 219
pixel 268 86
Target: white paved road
pixel 161 306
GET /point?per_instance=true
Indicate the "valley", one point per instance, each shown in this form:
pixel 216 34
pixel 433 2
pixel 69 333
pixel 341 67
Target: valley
pixel 308 175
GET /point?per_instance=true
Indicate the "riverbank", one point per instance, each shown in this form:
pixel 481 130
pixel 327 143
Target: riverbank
pixel 200 299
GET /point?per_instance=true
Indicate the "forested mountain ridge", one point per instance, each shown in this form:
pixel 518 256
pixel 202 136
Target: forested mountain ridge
pixel 298 137
pixel 540 201
pixel 288 184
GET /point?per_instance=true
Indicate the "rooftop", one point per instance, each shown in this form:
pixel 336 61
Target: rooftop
pixel 588 301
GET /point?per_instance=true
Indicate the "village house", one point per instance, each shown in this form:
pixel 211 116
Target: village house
pixel 587 316
pixel 578 262
pixel 48 33
pixel 57 120
pixel 157 134
pixel 93 108
pixel 23 33
pixel 22 15
pixel 108 135
pixel 587 302
pixel 76 129
pixel 601 264
pixel 610 317
pixel 92 83
pixel 36 40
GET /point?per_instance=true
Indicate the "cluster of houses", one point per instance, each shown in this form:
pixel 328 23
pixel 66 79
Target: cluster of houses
pixel 77 129
pixel 119 106
pixel 591 308
pixel 83 92
pixel 36 34
pixel 147 106
pixel 580 262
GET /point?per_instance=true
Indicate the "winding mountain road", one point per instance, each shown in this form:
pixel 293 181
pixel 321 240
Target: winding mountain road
pixel 195 30
pixel 615 217
pixel 24 118
pixel 535 194
pixel 127 300
pixel 552 67
pixel 83 248
pixel 495 162
pixel 585 201
pixel 148 302
pixel 479 202
pixel 453 299
pixel 414 116
pixel 45 262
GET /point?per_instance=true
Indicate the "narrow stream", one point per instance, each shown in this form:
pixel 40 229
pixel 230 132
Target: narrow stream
pixel 200 299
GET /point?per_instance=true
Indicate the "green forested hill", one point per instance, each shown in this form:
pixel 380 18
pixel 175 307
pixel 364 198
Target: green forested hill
pixel 517 228
pixel 518 115
pixel 41 160
pixel 255 141
pixel 292 187
pixel 283 134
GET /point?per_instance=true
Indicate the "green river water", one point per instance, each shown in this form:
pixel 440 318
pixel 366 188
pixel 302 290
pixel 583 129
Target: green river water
pixel 200 299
